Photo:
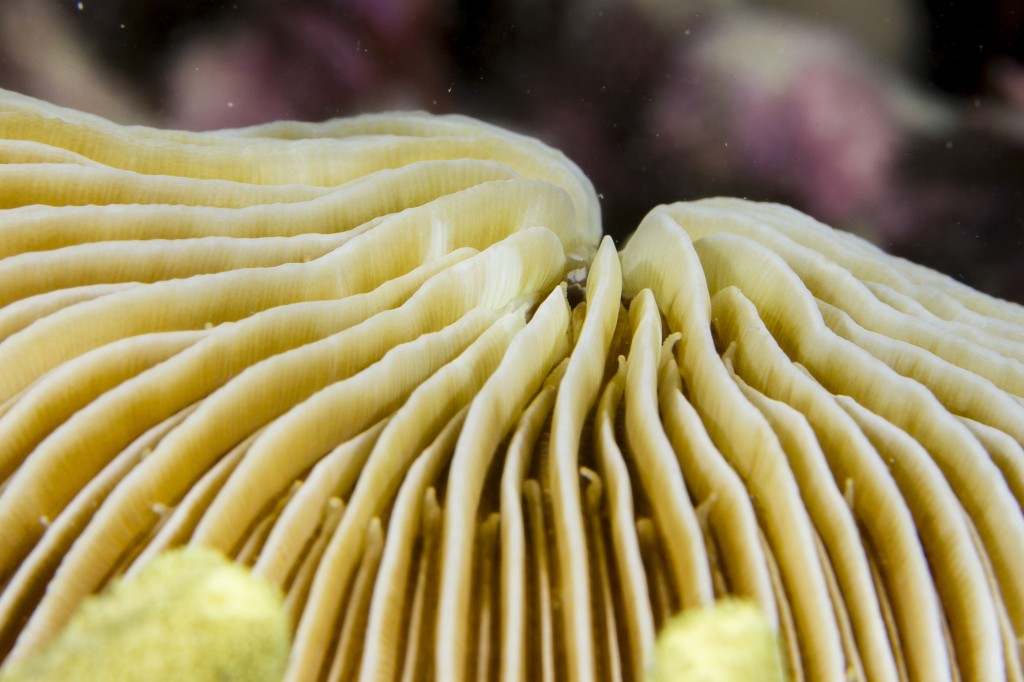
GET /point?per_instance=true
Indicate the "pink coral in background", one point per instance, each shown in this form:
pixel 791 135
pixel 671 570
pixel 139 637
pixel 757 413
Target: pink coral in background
pixel 786 107
pixel 305 62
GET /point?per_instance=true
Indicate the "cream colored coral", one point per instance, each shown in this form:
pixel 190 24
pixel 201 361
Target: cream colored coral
pixel 346 355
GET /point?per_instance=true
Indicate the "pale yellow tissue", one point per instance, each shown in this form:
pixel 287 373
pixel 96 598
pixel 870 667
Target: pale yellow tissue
pixel 191 615
pixel 729 642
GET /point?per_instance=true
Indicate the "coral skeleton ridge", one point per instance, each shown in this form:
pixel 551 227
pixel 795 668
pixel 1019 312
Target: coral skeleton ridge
pixel 389 365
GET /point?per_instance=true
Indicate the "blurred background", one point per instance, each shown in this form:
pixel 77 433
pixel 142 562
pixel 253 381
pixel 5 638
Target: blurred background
pixel 900 120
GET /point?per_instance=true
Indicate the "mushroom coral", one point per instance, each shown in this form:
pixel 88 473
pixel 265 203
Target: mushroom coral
pixel 389 364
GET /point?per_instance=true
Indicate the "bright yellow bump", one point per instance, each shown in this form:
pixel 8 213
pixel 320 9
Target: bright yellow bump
pixel 729 642
pixel 190 615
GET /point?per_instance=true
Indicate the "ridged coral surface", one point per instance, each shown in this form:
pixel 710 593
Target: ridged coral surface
pixel 388 363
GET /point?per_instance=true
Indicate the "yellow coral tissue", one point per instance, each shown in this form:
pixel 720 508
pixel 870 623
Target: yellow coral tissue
pixel 388 368
pixel 190 615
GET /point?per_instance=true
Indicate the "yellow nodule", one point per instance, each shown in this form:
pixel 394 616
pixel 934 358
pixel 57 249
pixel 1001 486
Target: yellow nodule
pixel 729 642
pixel 190 615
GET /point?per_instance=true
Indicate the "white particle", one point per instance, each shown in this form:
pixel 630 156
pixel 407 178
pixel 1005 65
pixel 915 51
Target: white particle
pixel 81 6
pixel 231 104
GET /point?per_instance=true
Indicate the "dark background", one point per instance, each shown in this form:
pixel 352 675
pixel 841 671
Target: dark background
pixel 900 120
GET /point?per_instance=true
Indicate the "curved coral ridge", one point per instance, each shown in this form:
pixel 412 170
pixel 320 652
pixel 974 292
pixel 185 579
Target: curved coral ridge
pixel 345 355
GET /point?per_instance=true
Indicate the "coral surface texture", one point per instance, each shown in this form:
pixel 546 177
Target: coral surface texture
pixel 390 367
